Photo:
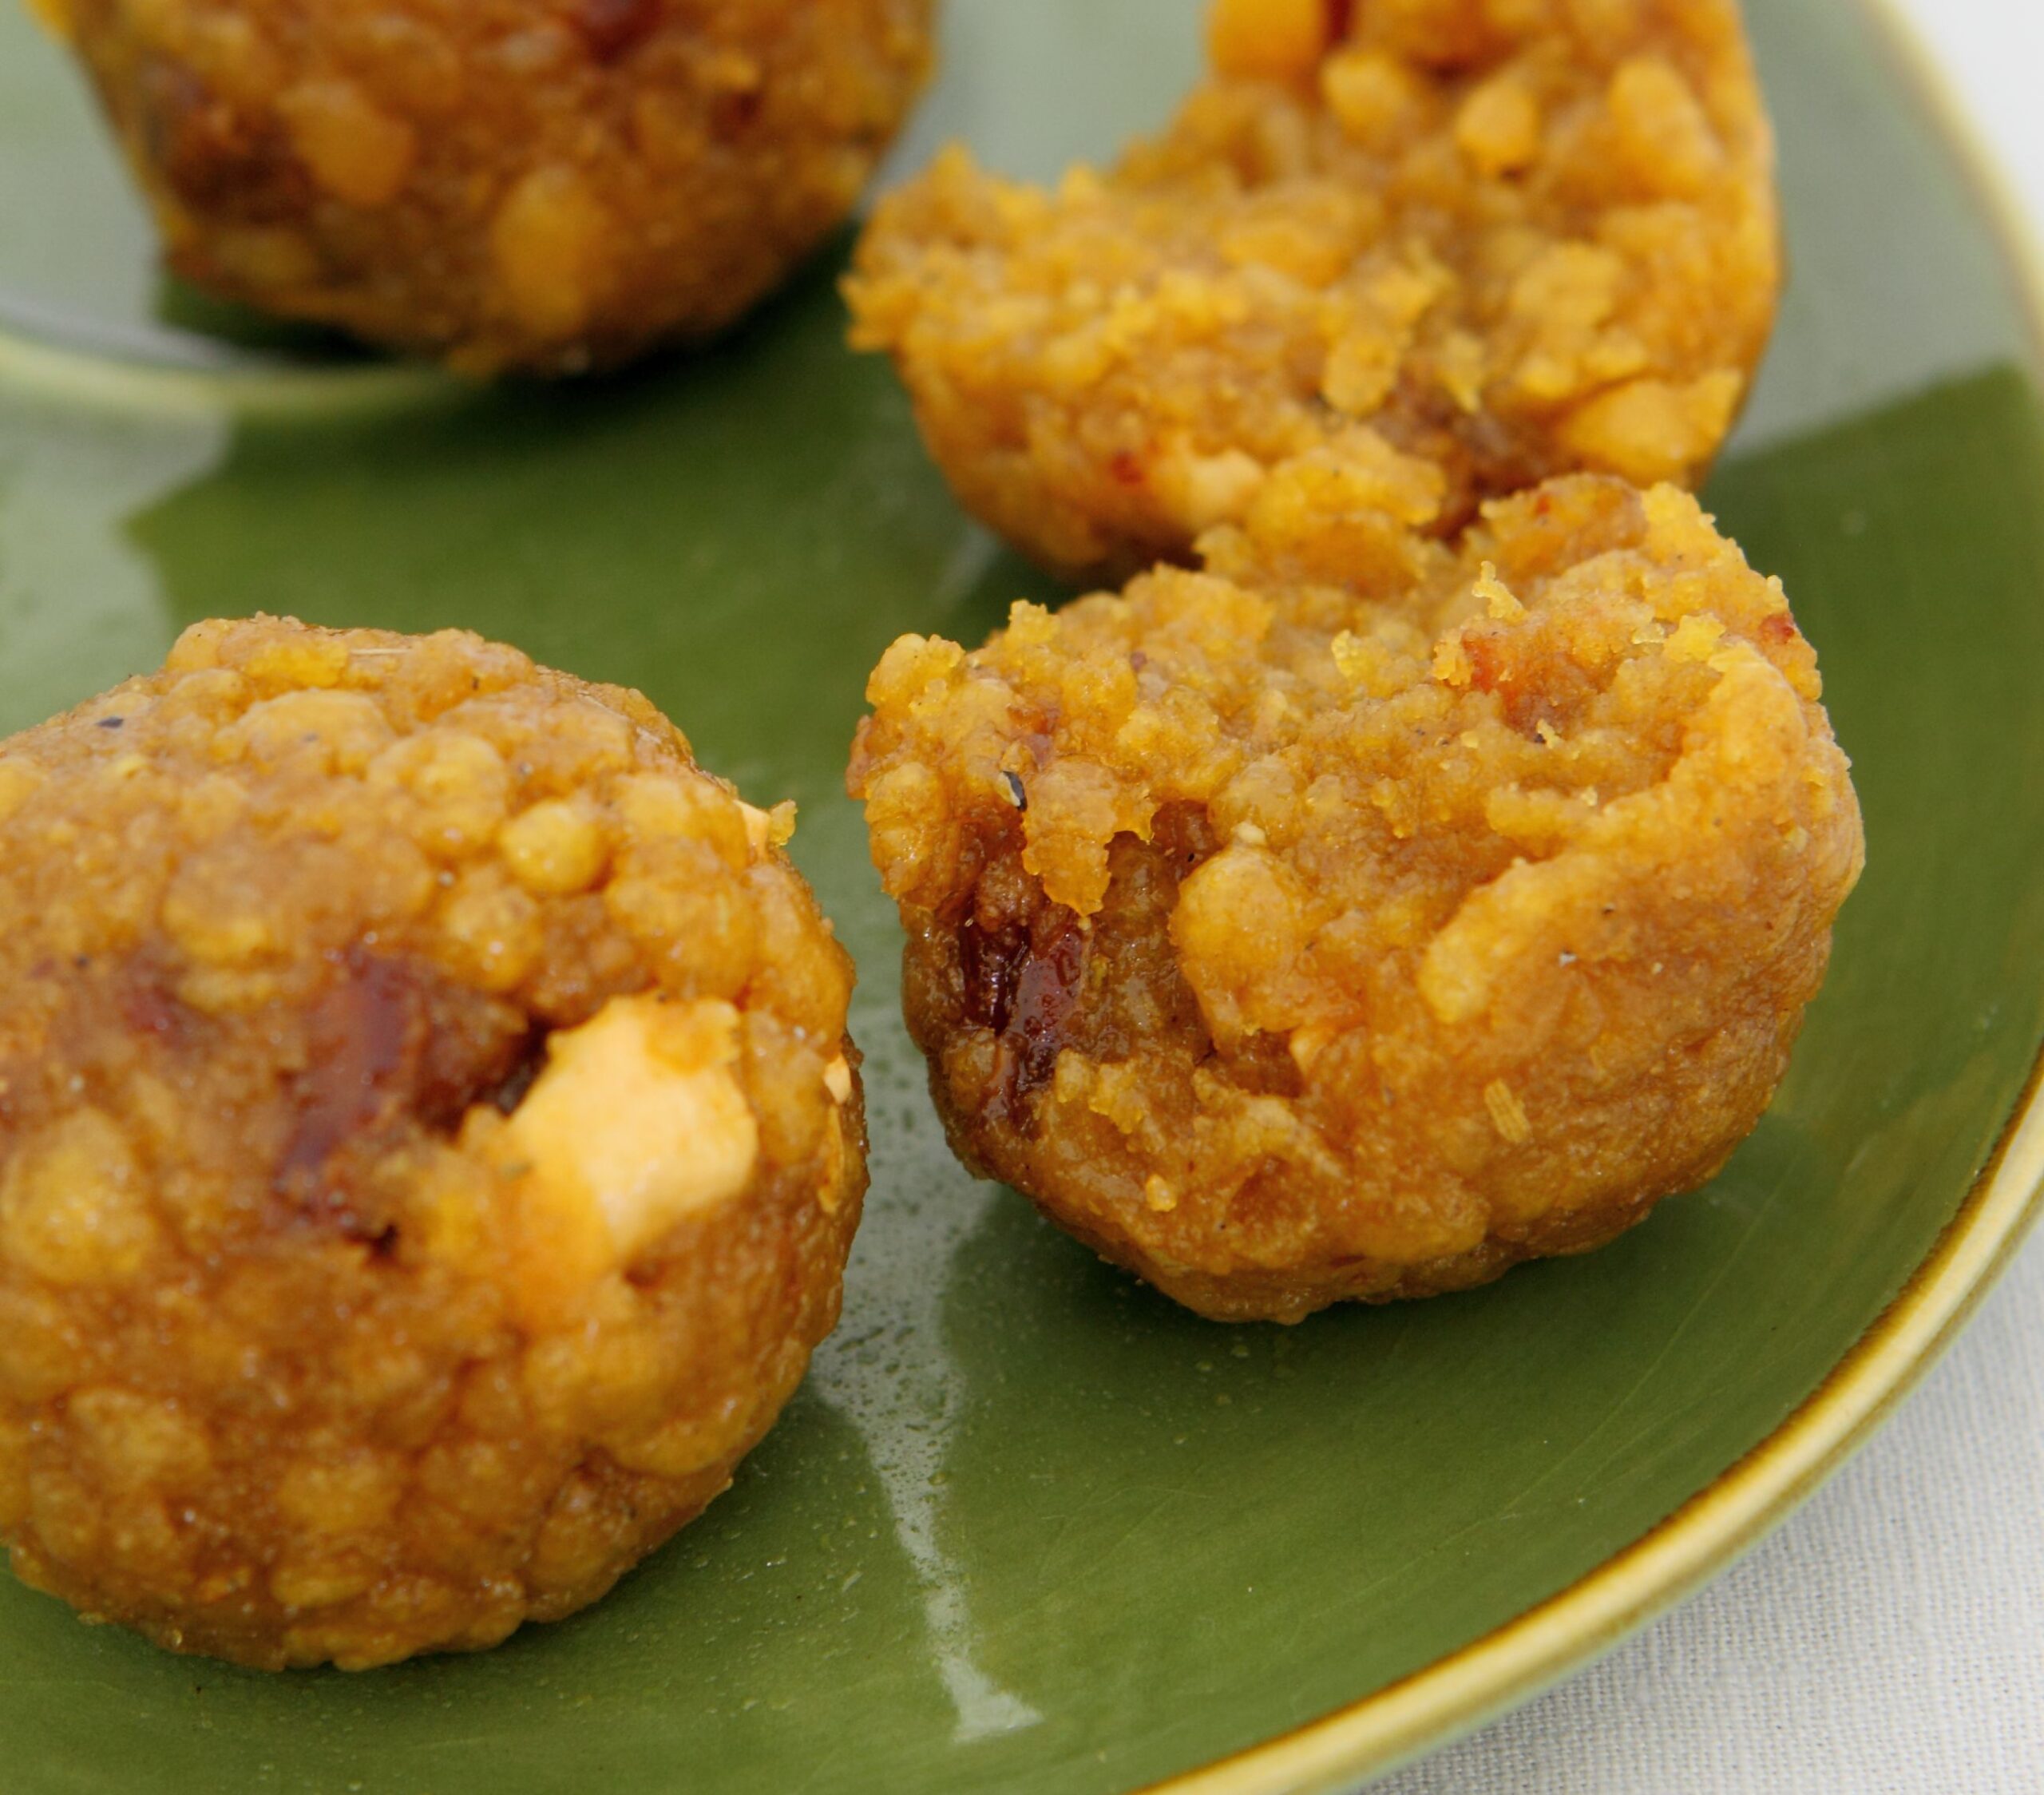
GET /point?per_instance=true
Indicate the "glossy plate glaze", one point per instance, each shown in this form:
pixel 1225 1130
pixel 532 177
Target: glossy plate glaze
pixel 1029 1528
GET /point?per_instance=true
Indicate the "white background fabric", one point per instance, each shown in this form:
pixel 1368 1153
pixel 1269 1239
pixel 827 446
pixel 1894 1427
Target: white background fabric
pixel 1889 1640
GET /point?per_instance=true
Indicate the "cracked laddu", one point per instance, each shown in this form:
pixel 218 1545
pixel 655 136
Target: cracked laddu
pixel 1357 917
pixel 1509 239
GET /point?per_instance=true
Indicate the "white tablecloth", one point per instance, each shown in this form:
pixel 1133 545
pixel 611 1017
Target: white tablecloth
pixel 1889 1639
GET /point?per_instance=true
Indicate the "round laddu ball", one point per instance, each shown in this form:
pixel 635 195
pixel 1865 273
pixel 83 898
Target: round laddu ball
pixel 1356 917
pixel 542 185
pixel 1511 238
pixel 429 1142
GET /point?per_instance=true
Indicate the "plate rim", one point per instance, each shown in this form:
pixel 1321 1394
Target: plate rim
pixel 1511 1666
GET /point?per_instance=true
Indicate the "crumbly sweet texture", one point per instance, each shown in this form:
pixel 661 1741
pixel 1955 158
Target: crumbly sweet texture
pixel 1509 239
pixel 549 186
pixel 1357 916
pixel 429 1144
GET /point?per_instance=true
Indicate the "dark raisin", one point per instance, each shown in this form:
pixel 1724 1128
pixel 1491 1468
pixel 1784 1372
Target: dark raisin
pixel 613 29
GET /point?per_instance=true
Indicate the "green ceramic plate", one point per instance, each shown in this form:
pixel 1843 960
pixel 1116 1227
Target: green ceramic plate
pixel 1029 1528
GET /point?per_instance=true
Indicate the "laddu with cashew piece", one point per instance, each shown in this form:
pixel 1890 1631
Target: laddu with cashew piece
pixel 430 1144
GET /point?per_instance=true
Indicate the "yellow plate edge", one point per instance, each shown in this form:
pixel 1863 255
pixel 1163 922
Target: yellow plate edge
pixel 1513 1665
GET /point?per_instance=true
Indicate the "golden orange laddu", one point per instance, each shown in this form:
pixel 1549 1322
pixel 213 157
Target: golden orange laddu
pixel 541 184
pixel 429 1142
pixel 1510 239
pixel 1357 916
